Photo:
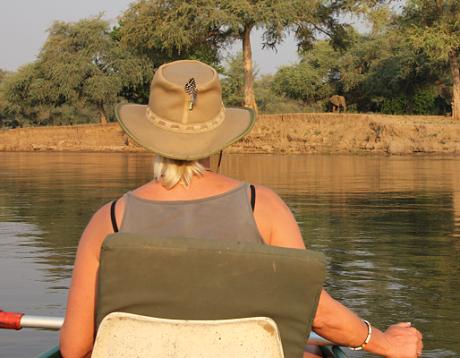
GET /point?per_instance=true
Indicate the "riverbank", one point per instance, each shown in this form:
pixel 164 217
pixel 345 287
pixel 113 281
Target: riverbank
pixel 286 133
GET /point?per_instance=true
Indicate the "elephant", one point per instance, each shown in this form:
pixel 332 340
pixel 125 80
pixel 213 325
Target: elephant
pixel 338 103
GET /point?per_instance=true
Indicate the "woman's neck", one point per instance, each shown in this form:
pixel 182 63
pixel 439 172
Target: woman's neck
pixel 206 184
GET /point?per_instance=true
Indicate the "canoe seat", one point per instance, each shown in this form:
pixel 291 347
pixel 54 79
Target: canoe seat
pixel 204 280
pixel 129 335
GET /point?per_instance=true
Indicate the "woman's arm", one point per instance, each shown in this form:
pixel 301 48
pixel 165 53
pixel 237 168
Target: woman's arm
pixel 77 333
pixel 340 325
pixel 333 320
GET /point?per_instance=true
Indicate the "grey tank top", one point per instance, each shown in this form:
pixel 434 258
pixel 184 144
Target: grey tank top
pixel 227 216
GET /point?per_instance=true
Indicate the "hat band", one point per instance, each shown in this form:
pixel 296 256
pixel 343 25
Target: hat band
pixel 186 128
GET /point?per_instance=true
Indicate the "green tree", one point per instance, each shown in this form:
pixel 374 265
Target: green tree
pixel 26 102
pixel 165 31
pixel 176 27
pixel 379 71
pixel 434 28
pixel 3 74
pixel 22 96
pixel 311 79
pixel 2 99
pixel 233 81
pixel 82 64
pixel 168 30
pixel 268 101
pixel 233 86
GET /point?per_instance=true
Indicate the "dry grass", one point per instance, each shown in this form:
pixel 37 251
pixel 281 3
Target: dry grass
pixel 286 133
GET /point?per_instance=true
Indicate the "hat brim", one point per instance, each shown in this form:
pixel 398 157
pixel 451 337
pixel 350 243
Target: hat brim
pixel 185 146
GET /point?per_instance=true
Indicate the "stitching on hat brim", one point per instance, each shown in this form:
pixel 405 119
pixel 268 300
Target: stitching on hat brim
pixel 251 123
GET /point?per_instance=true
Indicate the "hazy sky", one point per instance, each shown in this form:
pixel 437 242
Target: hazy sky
pixel 23 25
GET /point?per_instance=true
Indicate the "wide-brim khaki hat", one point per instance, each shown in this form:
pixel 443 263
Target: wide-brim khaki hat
pixel 185 118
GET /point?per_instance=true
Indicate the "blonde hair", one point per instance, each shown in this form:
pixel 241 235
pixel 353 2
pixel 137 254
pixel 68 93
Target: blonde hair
pixel 170 172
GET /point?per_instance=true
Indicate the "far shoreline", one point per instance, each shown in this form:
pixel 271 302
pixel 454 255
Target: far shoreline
pixel 297 133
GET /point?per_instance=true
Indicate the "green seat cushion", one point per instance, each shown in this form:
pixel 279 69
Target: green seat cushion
pixel 181 278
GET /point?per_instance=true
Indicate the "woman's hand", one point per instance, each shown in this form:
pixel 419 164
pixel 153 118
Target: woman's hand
pixel 404 341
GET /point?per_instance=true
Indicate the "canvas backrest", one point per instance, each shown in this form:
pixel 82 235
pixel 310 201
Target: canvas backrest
pixel 181 278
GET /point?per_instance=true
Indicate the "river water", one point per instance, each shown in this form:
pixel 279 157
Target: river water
pixel 389 226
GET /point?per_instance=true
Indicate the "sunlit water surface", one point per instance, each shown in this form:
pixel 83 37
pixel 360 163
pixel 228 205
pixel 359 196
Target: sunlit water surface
pixel 389 226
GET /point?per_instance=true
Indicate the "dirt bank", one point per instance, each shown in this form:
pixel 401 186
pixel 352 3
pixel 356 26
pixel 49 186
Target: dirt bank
pixel 287 133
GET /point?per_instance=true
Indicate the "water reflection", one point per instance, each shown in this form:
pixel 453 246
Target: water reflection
pixel 347 174
pixel 389 227
pixel 456 206
pixel 46 199
pixel 26 284
pixel 59 192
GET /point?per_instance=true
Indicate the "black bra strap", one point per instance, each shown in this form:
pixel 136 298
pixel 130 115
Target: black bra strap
pixel 112 216
pixel 253 196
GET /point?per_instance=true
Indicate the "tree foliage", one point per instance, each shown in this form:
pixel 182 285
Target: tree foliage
pixel 3 74
pixel 433 27
pixel 233 82
pixel 311 79
pixel 378 71
pixel 381 67
pixel 80 65
pixel 178 28
pixel 406 63
pixel 21 95
pixel 267 100
pixel 3 113
pixel 171 30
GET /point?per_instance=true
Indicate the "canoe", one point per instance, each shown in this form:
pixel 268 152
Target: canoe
pixel 17 321
pixel 249 337
pixel 52 353
pixel 328 351
pixel 333 352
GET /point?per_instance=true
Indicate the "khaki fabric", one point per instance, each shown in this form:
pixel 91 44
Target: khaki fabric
pixel 180 278
pixel 184 123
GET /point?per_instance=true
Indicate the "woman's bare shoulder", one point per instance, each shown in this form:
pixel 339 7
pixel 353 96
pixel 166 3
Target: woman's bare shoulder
pixel 275 220
pixel 268 197
pixel 99 226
